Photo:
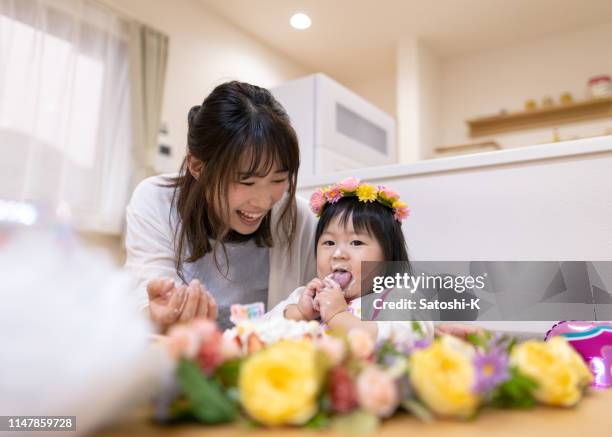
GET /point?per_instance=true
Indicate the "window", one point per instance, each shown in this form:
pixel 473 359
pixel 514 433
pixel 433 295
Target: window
pixel 64 109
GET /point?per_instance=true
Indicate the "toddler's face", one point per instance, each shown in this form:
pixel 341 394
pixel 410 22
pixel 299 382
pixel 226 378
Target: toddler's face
pixel 340 250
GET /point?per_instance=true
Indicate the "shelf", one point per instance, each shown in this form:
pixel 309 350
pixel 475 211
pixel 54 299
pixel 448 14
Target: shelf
pixel 545 117
pixel 486 146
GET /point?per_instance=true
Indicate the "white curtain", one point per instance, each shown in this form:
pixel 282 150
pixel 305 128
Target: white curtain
pixel 148 59
pixel 65 129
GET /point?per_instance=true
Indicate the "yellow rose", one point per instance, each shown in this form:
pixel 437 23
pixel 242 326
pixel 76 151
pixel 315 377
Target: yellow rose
pixel 280 384
pixel 443 377
pixel 568 354
pixel 557 369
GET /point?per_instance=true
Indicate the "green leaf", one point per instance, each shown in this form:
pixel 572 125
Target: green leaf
pixel 319 421
pixel 228 372
pixel 479 340
pixel 209 403
pixel 416 327
pixel 418 410
pixel 517 392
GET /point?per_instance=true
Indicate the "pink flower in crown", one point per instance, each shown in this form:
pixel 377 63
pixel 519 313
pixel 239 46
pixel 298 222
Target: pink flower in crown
pixel 349 184
pixel 387 193
pixel 401 213
pixel 317 200
pixel 333 194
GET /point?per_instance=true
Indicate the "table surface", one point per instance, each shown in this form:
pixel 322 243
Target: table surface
pixel 591 418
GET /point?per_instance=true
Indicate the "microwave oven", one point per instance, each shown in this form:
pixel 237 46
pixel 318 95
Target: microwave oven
pixel 336 128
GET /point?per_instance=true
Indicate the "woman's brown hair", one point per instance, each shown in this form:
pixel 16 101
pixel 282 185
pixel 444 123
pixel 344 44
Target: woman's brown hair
pixel 236 123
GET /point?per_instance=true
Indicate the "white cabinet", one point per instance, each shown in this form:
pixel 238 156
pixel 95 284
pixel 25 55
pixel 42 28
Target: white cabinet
pixel 336 128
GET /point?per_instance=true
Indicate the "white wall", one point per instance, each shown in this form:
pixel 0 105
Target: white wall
pixel 524 204
pixel 418 99
pixel 483 83
pixel 379 90
pixel 204 51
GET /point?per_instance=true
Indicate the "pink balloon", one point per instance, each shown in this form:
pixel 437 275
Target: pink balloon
pixel 593 341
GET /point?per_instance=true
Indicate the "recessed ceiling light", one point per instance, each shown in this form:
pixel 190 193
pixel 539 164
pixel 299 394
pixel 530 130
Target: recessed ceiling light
pixel 300 21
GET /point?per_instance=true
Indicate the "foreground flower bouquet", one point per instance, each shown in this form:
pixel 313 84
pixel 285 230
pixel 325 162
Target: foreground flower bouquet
pixel 318 380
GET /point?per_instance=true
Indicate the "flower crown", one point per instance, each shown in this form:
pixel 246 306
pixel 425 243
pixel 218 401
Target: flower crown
pixel 364 192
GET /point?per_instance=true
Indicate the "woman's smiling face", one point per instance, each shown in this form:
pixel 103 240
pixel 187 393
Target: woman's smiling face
pixel 251 197
pixel 340 250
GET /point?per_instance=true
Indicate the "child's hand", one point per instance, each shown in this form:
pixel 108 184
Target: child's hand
pixel 314 287
pixel 458 330
pixel 330 300
pixel 306 304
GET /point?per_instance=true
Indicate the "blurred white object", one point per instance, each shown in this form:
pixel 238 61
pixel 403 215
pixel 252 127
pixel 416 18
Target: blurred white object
pixel 73 340
pixel 336 128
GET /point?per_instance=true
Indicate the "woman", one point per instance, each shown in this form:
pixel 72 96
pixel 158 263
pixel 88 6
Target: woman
pixel 228 227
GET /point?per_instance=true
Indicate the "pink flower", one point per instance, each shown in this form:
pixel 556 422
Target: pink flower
pixel 361 343
pixel 210 354
pixel 317 200
pixel 333 348
pixel 401 213
pixel 183 341
pixel 333 194
pixel 230 349
pixel 387 193
pixel 377 392
pixel 204 327
pixel 349 184
pixel 342 390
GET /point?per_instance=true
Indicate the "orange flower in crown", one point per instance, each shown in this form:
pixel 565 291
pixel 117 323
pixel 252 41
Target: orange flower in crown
pixel 353 187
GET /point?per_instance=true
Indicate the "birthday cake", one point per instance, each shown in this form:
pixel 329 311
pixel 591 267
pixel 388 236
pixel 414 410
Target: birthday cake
pixel 252 331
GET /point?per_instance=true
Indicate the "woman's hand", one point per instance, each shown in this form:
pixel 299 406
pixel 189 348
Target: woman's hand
pixel 330 300
pixel 170 304
pixel 458 330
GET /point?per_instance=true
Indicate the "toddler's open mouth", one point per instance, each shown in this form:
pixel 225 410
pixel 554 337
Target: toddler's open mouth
pixel 342 277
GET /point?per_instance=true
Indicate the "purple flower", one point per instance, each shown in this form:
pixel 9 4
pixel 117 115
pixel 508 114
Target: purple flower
pixel 491 369
pixel 422 344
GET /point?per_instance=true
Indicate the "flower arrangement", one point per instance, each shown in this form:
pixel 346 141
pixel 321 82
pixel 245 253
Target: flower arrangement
pixel 353 187
pixel 333 379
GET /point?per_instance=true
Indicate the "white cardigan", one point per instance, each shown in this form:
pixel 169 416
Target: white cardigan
pixel 150 242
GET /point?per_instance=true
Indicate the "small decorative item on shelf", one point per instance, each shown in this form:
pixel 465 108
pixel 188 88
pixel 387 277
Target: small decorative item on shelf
pixel 600 86
pixel 547 102
pixel 566 98
pixel 530 105
pixel 555 137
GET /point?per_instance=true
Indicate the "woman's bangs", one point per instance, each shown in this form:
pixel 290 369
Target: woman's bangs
pixel 260 155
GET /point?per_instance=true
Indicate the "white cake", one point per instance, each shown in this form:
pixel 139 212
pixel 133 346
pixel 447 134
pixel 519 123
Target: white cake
pixel 252 334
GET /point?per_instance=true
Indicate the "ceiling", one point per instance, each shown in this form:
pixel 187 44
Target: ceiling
pixel 355 39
